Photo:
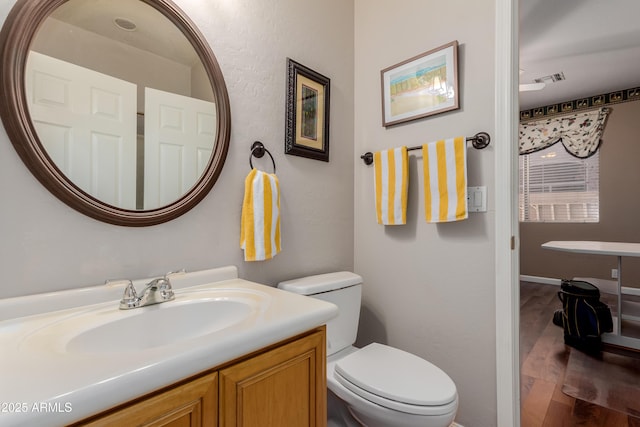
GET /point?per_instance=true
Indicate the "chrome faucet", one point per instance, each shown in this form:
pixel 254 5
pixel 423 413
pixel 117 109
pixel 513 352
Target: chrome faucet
pixel 155 292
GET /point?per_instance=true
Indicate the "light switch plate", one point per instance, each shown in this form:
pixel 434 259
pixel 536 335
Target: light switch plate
pixel 477 199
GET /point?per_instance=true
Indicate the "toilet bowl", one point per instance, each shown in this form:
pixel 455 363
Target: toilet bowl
pixel 377 385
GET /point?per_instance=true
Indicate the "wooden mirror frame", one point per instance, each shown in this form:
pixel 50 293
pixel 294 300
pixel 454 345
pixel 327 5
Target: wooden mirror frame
pixel 16 36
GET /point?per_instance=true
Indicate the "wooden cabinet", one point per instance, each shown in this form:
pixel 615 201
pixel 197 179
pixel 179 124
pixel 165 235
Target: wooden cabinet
pixel 281 386
pixel 192 404
pixel 285 386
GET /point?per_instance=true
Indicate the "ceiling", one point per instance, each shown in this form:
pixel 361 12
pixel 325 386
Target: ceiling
pixel 594 43
pixel 153 33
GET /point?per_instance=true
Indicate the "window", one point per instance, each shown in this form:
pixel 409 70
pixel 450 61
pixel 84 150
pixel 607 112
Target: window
pixel 558 187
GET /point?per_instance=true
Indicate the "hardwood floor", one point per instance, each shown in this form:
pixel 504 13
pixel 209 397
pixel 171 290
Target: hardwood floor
pixel 543 360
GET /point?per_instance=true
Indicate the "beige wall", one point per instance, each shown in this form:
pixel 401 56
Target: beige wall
pixel 47 246
pixel 619 204
pixel 429 289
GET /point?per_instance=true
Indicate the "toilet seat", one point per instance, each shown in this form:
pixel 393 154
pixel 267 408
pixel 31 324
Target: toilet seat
pixel 397 380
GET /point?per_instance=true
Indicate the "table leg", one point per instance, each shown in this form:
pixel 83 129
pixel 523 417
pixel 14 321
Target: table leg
pixel 619 295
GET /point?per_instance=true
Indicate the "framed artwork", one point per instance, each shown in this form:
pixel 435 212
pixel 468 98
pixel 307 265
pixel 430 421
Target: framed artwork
pixel 421 86
pixel 307 132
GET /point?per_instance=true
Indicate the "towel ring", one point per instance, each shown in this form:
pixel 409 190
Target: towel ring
pixel 258 149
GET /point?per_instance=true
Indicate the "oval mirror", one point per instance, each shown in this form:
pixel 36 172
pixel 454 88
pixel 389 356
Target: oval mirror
pixel 118 107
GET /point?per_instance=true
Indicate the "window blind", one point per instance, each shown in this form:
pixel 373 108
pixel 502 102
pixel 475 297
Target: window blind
pixel 558 187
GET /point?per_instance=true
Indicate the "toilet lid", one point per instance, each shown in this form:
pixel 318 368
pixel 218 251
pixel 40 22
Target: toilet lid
pixel 387 375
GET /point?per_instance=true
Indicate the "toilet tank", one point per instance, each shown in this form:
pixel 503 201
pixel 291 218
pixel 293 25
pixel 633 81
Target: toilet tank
pixel 343 289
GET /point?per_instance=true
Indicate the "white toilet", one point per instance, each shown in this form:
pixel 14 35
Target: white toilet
pixel 378 385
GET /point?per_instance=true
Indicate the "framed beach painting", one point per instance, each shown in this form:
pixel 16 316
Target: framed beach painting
pixel 307 132
pixel 421 86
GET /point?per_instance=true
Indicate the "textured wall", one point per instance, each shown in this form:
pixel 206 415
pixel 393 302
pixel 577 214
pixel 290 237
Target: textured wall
pixel 429 289
pixel 47 246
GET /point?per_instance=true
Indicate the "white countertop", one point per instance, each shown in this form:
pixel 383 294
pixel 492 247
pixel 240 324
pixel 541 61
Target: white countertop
pixel 47 386
pixel 596 248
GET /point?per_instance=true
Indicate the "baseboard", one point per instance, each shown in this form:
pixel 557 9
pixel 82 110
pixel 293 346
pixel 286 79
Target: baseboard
pixel 456 425
pixel 540 279
pixel 605 284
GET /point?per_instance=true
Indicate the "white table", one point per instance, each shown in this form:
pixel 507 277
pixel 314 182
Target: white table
pixel 619 250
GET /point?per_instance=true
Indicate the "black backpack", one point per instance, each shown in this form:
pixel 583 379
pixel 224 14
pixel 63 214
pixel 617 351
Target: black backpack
pixel 583 316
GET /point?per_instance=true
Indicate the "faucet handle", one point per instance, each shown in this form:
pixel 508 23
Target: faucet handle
pixel 130 297
pixel 116 282
pixel 166 290
pixel 175 273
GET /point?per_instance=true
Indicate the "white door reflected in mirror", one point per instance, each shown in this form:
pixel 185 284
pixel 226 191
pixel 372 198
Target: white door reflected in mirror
pixel 91 99
pixel 86 122
pixel 177 144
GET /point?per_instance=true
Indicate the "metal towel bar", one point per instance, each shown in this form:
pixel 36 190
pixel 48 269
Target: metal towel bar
pixel 479 141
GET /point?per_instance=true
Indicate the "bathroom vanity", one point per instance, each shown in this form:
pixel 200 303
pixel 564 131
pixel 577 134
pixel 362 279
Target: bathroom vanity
pixel 281 385
pixel 225 352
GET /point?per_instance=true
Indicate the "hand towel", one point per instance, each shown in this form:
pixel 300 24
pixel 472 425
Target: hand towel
pixel 445 180
pixel 260 218
pixel 391 184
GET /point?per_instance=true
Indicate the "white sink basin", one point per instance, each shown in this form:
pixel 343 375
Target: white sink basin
pixel 162 324
pixel 76 349
pixel 108 330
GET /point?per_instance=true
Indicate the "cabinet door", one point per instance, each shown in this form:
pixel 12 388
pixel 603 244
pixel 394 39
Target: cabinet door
pixel 282 387
pixel 193 404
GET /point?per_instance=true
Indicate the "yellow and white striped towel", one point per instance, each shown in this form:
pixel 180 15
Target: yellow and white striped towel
pixel 391 183
pixel 260 222
pixel 445 180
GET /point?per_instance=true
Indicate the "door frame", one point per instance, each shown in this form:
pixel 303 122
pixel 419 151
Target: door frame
pixel 507 291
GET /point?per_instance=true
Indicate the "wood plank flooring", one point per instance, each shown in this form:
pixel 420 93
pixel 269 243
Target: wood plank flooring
pixel 543 360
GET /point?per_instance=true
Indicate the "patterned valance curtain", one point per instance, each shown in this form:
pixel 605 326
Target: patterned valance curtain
pixel 579 133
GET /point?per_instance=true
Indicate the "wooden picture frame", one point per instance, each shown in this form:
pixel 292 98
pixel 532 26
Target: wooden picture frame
pixel 307 121
pixel 422 86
